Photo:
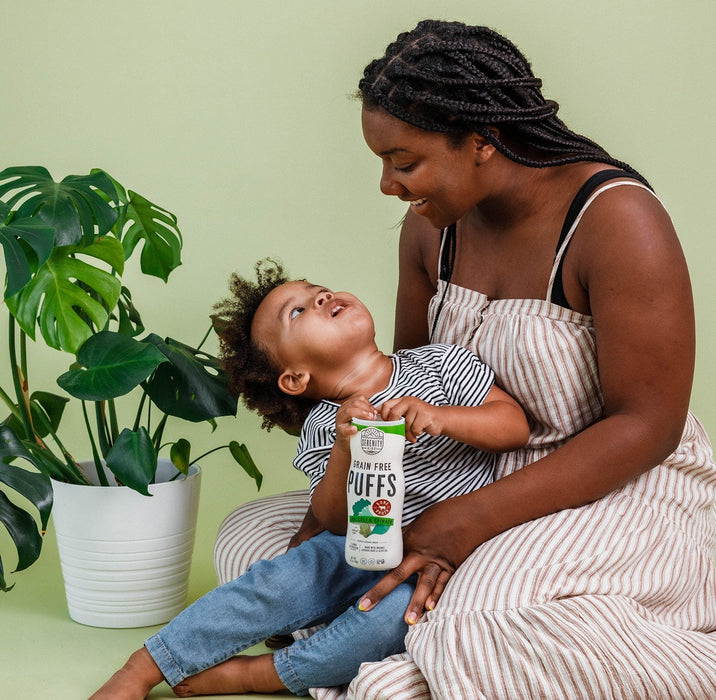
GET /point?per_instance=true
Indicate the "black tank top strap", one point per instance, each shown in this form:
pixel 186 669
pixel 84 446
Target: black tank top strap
pixel 558 297
pixel 448 244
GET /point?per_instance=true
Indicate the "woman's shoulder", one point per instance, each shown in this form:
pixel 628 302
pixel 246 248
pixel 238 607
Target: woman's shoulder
pixel 625 244
pixel 607 202
pixel 418 231
pixel 625 208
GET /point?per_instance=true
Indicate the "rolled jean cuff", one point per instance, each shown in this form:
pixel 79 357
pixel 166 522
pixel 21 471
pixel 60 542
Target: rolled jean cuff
pixel 164 660
pixel 285 672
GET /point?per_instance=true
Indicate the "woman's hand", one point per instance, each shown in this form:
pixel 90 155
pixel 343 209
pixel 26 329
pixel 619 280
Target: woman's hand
pixel 435 544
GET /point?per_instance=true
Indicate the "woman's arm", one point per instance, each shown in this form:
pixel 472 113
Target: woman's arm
pixel 627 266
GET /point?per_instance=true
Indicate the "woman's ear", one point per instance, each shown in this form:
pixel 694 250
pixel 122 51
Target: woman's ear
pixel 482 147
pixel 293 383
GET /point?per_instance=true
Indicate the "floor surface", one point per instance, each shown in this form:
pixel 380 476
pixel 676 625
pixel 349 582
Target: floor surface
pixel 44 655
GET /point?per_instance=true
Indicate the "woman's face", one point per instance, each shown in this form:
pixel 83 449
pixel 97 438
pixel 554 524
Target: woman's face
pixel 424 168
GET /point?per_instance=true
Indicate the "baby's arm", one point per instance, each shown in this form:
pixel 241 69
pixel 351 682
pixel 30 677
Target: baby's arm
pixel 329 501
pixel 497 425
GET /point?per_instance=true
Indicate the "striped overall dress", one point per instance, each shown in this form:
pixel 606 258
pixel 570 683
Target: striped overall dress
pixel 615 600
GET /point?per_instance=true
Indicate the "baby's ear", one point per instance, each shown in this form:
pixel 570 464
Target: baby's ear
pixel 293 383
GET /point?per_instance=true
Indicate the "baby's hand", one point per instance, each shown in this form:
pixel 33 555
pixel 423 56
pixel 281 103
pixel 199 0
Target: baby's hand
pixel 420 417
pixel 356 406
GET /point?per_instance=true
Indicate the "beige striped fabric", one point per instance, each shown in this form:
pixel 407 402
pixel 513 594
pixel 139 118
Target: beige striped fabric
pixel 612 601
pixel 257 530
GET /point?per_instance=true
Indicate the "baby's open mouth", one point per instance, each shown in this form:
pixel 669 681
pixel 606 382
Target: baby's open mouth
pixel 337 309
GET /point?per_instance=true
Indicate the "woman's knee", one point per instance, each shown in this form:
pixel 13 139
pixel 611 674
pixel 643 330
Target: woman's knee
pixel 394 678
pixel 260 529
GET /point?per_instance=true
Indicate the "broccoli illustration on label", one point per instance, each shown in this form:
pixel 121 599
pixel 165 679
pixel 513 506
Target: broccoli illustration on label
pixel 363 508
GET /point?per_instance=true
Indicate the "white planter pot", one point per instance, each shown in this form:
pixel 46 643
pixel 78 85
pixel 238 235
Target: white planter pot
pixel 126 557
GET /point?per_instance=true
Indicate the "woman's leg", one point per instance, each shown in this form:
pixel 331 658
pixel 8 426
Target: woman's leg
pixel 260 529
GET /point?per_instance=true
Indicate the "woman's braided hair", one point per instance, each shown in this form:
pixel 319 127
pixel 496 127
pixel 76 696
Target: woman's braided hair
pixel 251 372
pixel 458 79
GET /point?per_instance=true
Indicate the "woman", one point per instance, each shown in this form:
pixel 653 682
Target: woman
pixel 586 570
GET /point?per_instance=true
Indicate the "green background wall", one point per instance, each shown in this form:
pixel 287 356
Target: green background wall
pixel 236 115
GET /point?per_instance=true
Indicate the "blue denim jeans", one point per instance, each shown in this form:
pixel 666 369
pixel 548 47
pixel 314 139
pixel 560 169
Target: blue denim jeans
pixel 308 585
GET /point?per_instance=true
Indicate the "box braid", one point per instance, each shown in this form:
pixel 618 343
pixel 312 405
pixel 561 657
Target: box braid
pixel 458 79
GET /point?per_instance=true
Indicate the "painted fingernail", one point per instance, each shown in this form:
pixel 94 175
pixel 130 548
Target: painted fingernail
pixel 412 618
pixel 364 604
pixel 430 605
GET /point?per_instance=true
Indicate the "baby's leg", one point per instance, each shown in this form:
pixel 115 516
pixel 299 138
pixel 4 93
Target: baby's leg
pixel 307 585
pixel 240 674
pixel 330 657
pixel 333 655
pixel 133 681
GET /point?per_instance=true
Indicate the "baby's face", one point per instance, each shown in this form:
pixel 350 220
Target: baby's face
pixel 303 325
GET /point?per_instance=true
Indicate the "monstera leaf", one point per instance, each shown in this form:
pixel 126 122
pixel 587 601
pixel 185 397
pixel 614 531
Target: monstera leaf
pixel 191 385
pixel 161 252
pixel 180 455
pixel 143 221
pixel 46 410
pixel 113 365
pixel 68 298
pixel 129 320
pixel 73 207
pixel 16 236
pixel 133 459
pixel 35 488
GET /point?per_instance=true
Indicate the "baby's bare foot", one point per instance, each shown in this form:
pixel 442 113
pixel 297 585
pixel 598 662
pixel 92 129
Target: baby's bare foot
pixel 240 674
pixel 133 681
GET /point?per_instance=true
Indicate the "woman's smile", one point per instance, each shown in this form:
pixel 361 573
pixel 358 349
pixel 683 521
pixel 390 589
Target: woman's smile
pixel 436 177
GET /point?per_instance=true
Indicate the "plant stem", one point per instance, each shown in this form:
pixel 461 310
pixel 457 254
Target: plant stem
pixel 101 421
pixel 206 335
pixel 10 404
pixel 113 423
pixel 23 355
pixel 159 432
pixel 95 455
pixel 138 417
pixel 20 390
pixel 72 468
pixel 206 454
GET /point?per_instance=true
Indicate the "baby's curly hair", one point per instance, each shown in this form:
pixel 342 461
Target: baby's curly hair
pixel 252 374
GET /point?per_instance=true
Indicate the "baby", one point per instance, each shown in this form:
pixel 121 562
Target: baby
pixel 299 353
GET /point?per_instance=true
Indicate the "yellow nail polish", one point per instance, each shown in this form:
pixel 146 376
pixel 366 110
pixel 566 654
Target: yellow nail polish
pixel 412 618
pixel 364 605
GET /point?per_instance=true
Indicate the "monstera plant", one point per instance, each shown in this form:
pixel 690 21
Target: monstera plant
pixel 65 245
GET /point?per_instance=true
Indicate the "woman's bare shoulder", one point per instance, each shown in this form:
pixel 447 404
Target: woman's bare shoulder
pixel 627 216
pixel 626 249
pixel 420 244
pixel 418 229
pixel 417 280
